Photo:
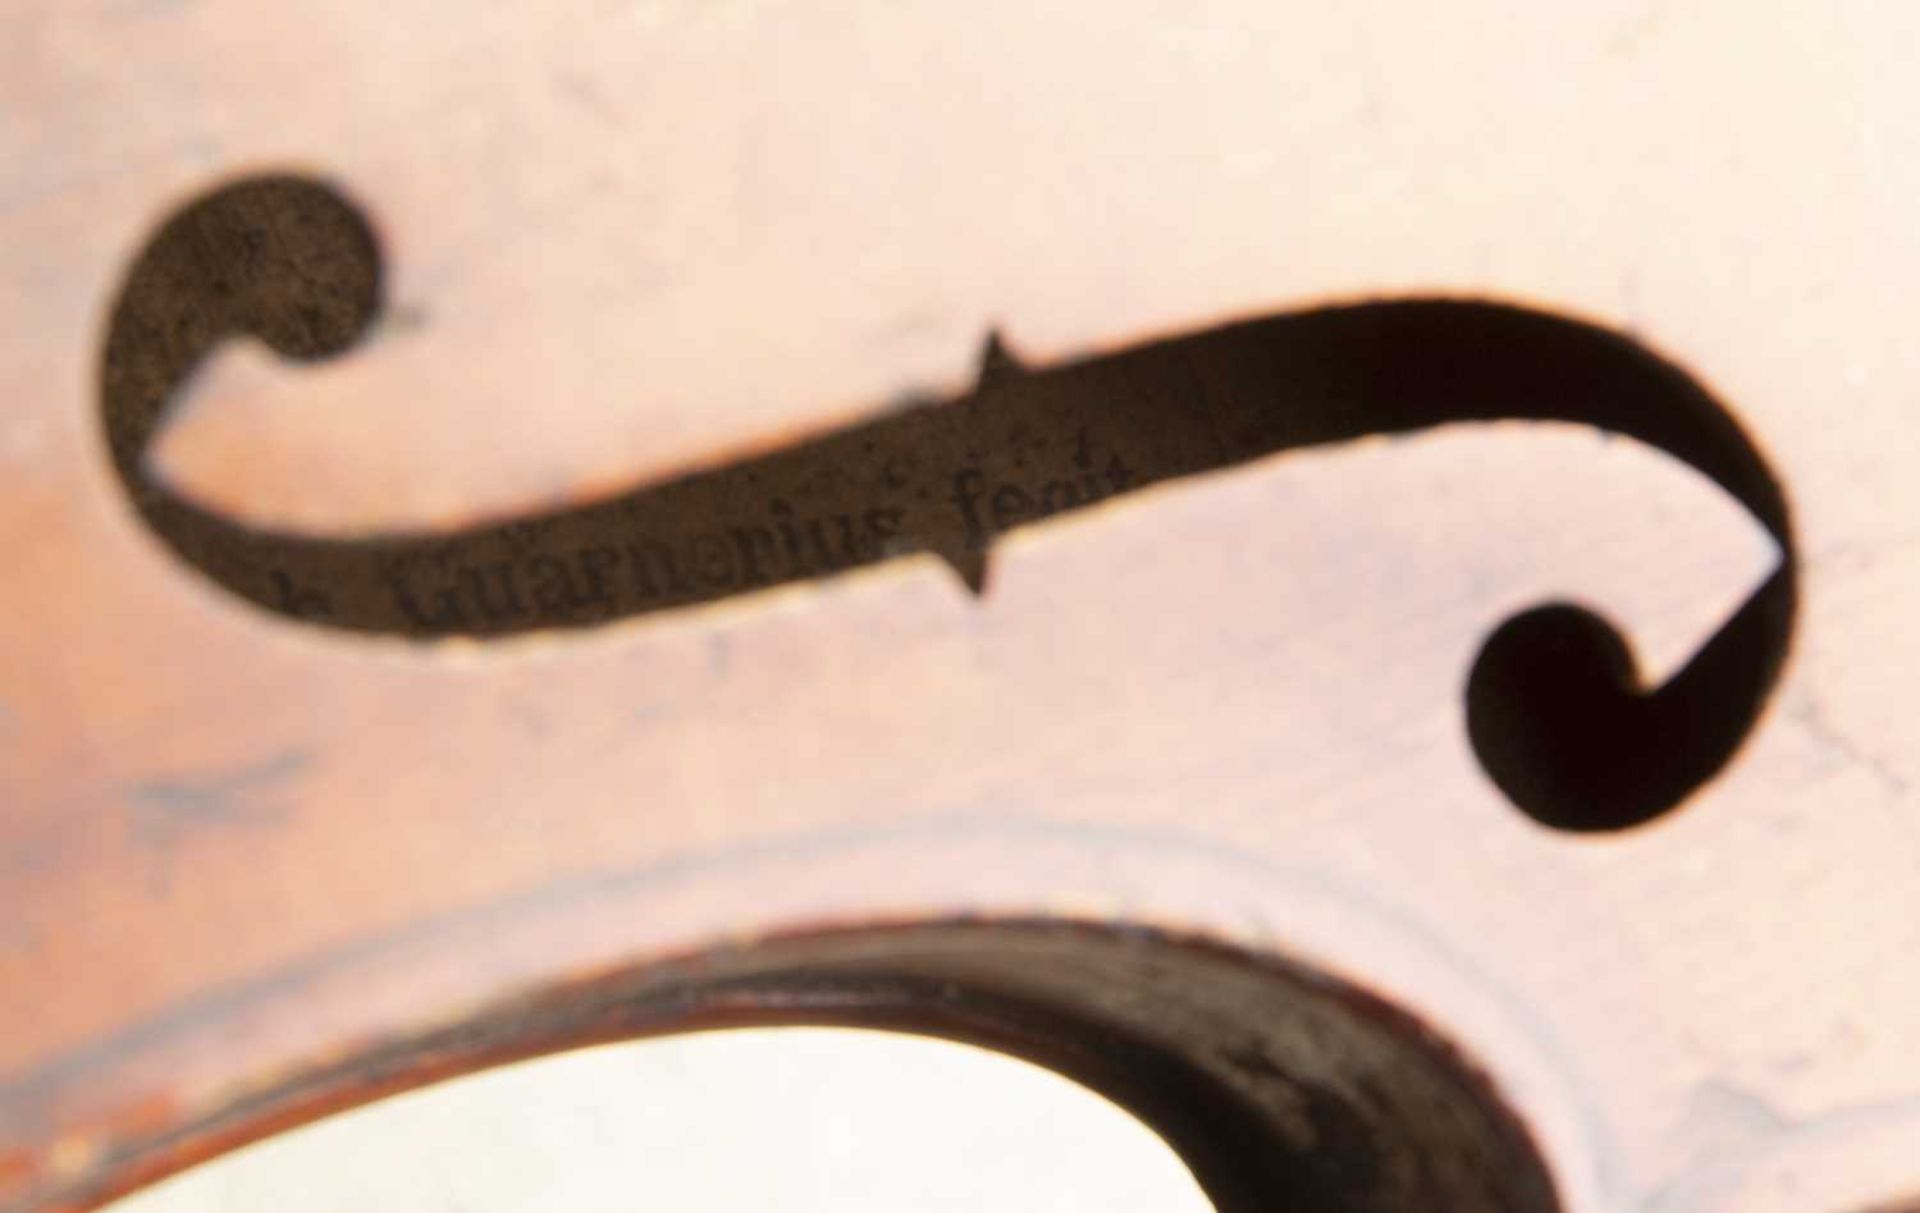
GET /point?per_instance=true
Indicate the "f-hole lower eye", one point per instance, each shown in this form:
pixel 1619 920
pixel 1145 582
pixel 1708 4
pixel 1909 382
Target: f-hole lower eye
pixel 1553 707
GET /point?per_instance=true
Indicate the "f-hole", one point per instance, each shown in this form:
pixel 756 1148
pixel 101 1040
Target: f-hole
pixel 1554 708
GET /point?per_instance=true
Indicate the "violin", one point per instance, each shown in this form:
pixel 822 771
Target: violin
pixel 1145 549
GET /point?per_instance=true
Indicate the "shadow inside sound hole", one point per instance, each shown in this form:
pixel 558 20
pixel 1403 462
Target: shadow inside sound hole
pixel 1554 708
pixel 1278 1086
